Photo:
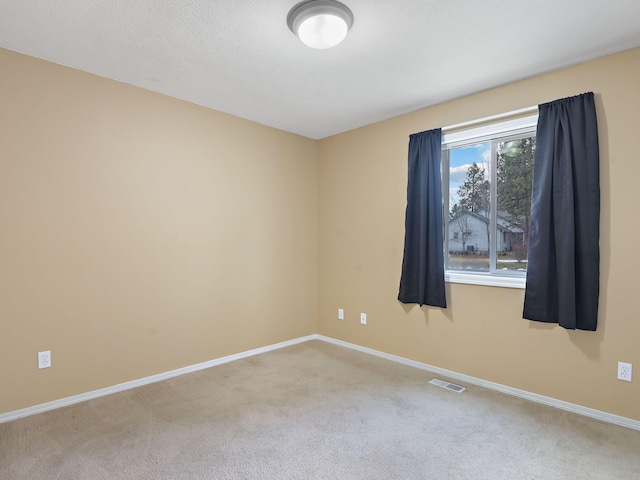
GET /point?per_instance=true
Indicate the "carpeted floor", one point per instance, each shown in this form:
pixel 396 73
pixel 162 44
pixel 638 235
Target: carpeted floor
pixel 313 411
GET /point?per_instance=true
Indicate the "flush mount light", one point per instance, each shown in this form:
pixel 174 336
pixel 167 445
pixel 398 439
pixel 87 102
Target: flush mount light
pixel 320 23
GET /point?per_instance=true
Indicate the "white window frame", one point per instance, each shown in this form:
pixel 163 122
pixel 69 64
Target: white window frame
pixel 478 134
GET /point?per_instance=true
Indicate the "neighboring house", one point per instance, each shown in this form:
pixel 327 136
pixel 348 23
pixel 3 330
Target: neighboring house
pixel 469 231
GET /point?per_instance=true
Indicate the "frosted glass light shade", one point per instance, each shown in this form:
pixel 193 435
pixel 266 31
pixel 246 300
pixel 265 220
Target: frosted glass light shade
pixel 322 31
pixel 320 23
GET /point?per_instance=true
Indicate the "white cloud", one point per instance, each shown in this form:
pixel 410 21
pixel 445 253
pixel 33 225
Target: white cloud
pixel 459 174
pixel 486 156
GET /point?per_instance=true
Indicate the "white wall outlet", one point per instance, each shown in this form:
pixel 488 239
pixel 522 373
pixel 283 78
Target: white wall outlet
pixel 340 314
pixel 624 371
pixel 44 359
pixel 363 318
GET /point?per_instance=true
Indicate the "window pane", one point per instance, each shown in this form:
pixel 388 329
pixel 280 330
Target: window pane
pixel 513 191
pixel 468 239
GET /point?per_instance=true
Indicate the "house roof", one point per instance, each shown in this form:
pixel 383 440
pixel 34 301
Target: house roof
pixel 240 57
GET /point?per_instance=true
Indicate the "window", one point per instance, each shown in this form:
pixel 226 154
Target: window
pixel 487 179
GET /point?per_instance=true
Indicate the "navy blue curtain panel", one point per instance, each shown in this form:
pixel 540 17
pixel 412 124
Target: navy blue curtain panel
pixel 422 280
pixel 563 274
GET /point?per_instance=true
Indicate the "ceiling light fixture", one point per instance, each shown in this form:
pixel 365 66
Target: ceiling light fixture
pixel 320 23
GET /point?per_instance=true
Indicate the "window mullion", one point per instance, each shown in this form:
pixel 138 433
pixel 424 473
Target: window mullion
pixel 444 175
pixel 493 215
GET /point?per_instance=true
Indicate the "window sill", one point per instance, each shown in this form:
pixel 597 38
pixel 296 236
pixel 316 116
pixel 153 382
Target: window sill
pixel 486 280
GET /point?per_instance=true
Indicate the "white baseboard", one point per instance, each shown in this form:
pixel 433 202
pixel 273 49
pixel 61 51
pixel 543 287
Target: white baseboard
pixel 534 397
pixel 63 402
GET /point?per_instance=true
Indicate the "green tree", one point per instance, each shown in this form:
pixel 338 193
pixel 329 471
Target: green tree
pixel 474 192
pixel 514 181
pixel 455 211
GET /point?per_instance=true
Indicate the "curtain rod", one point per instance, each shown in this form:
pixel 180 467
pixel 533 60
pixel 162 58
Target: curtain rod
pixel 492 117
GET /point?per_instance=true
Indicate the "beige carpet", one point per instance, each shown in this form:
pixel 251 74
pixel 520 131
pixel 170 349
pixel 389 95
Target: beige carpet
pixel 313 411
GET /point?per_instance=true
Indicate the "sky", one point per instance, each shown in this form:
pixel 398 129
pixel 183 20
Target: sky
pixel 460 159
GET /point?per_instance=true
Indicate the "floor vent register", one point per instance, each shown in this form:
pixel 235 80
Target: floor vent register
pixel 447 385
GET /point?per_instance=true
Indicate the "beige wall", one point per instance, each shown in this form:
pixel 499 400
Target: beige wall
pixel 362 197
pixel 140 233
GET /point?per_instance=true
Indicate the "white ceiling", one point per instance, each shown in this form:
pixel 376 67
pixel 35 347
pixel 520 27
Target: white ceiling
pixel 239 57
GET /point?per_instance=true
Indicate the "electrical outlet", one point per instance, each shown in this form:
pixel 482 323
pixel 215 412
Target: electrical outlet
pixel 624 371
pixel 340 314
pixel 363 318
pixel 44 359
